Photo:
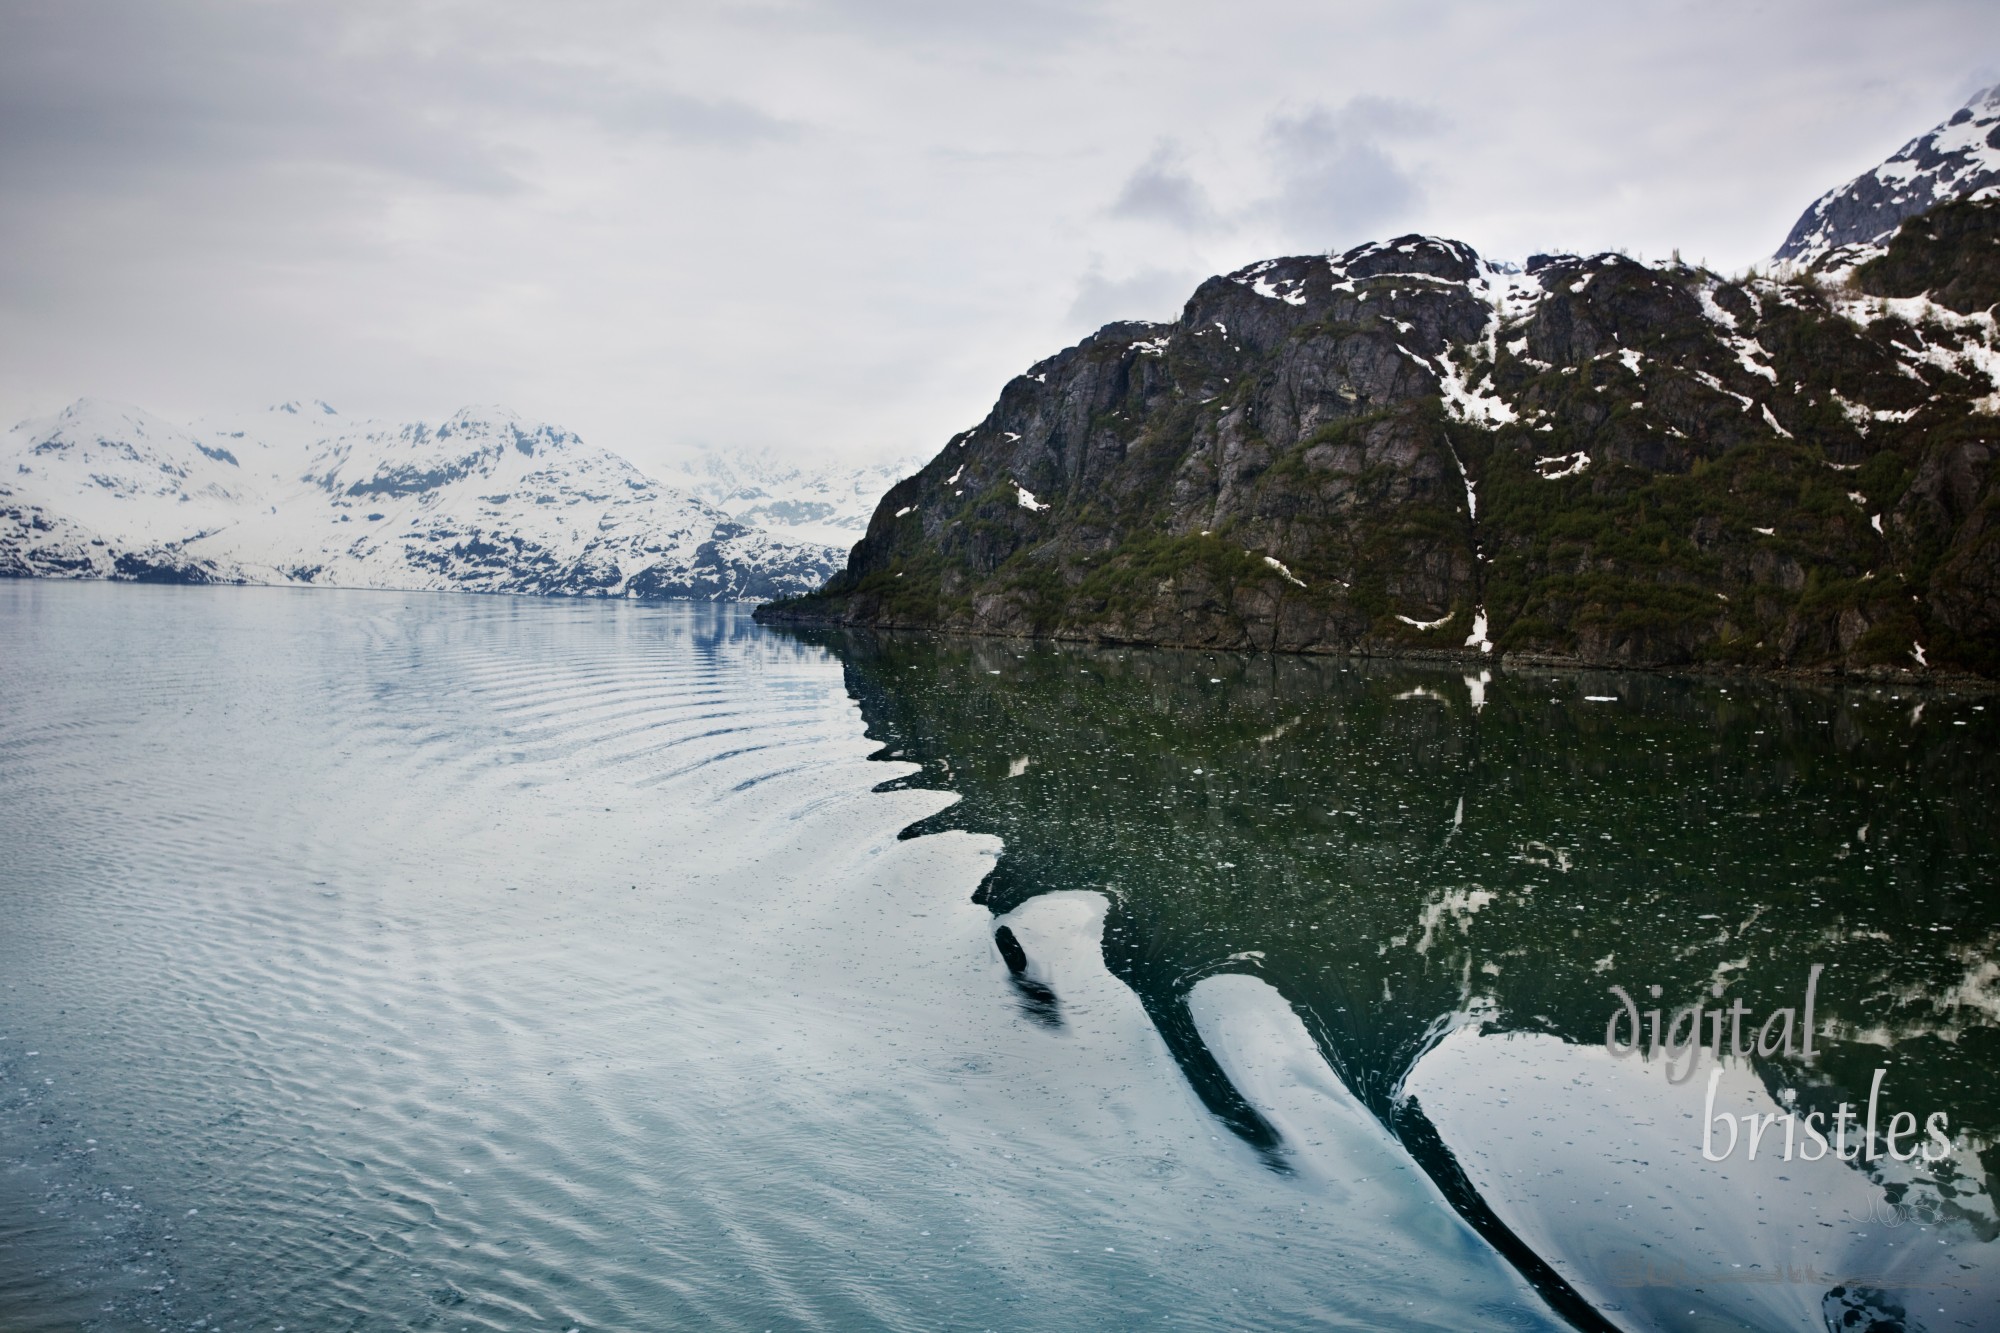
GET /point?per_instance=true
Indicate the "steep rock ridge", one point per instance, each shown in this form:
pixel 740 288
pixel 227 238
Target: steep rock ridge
pixel 1959 158
pixel 484 502
pixel 1404 448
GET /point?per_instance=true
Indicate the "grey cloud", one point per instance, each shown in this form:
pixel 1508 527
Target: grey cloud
pixel 966 27
pixel 113 95
pixel 1151 293
pixel 117 94
pixel 1336 178
pixel 1161 190
pixel 605 99
pixel 694 120
pixel 1338 181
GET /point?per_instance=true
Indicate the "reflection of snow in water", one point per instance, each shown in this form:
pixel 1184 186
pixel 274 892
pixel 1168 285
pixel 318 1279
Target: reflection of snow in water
pixel 1475 688
pixel 1943 1012
pixel 1422 1264
pixel 1456 905
pixel 1980 989
pixel 1537 853
pixel 1278 732
pixel 1596 1163
pixel 1340 1152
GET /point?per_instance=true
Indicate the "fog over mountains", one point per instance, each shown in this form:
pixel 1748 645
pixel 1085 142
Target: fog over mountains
pixel 830 503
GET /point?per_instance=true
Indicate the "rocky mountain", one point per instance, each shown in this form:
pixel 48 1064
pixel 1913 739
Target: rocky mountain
pixel 483 502
pixel 830 504
pixel 1959 158
pixel 1405 448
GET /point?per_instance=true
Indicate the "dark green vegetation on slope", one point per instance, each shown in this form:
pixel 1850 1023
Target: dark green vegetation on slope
pixel 1617 462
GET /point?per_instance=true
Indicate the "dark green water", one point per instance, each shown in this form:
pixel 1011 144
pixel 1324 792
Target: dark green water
pixel 1399 852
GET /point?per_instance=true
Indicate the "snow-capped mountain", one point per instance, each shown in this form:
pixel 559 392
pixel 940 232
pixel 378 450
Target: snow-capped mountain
pixel 1960 157
pixel 824 504
pixel 485 502
pixel 1407 449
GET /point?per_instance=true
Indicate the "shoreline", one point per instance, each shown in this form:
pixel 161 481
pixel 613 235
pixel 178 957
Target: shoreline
pixel 1517 662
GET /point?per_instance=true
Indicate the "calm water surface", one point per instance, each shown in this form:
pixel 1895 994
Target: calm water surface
pixel 381 961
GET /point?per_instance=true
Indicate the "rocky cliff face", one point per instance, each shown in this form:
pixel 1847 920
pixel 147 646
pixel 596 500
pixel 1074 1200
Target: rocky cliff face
pixel 1404 448
pixel 482 502
pixel 1959 158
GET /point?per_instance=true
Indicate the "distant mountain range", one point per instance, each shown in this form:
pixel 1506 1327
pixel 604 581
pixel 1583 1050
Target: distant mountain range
pixel 1408 449
pixel 298 494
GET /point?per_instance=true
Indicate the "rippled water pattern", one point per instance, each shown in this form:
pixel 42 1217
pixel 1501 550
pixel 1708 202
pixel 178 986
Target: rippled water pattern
pixel 397 961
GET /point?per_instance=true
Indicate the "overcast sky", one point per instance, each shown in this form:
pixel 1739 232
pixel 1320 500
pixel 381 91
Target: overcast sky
pixel 834 228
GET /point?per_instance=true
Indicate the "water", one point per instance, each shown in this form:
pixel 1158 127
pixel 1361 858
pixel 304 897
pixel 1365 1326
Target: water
pixel 418 961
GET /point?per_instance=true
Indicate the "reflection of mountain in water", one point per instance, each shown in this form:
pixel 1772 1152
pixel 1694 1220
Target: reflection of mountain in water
pixel 1398 852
